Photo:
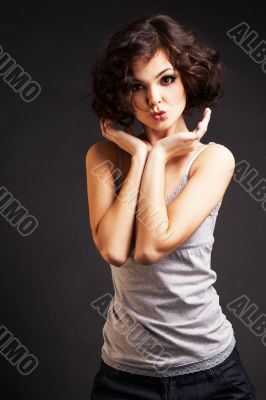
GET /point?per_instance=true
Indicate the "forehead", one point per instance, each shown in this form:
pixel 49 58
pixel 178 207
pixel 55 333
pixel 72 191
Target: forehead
pixel 140 65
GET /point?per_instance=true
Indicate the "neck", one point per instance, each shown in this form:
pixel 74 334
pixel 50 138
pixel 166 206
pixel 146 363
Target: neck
pixel 153 135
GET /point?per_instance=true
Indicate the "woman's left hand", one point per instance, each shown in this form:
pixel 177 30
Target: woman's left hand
pixel 181 143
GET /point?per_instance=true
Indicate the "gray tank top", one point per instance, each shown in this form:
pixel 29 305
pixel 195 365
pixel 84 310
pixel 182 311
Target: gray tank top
pixel 165 318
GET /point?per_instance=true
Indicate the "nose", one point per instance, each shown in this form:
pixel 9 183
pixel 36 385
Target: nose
pixel 153 98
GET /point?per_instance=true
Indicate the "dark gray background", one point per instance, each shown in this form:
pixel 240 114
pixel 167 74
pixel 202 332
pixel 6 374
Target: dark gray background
pixel 49 278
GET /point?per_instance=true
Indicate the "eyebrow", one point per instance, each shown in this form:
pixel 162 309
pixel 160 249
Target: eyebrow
pixel 157 76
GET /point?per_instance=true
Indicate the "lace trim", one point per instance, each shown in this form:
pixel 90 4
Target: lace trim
pixel 178 370
pixel 184 179
pixel 177 190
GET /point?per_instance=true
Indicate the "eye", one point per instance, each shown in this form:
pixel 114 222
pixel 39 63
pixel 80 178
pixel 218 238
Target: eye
pixel 134 87
pixel 171 77
pixel 137 86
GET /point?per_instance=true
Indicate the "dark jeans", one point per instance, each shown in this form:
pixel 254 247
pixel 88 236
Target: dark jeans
pixel 226 381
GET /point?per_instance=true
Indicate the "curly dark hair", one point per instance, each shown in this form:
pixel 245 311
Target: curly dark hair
pixel 112 75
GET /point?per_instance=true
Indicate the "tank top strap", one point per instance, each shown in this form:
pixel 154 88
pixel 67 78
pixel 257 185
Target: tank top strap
pixel 193 158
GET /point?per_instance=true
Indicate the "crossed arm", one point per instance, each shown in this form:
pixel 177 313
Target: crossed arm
pixel 160 228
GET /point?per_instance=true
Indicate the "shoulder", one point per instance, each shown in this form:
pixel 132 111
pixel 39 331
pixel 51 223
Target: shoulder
pixel 216 156
pixel 102 151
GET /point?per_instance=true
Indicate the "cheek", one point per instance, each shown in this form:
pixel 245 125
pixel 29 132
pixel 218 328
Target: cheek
pixel 138 103
pixel 177 94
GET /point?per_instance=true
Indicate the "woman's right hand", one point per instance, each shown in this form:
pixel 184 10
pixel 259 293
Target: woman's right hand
pixel 182 143
pixel 124 138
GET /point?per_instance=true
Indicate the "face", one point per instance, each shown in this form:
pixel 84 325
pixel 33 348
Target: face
pixel 157 86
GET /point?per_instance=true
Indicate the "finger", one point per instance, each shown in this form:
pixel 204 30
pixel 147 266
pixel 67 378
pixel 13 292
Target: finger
pixel 103 125
pixel 103 128
pixel 206 116
pixel 203 124
pixel 106 132
pixel 205 113
pixel 191 136
pixel 107 126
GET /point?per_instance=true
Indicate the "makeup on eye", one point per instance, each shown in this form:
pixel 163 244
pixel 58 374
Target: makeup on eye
pixel 171 76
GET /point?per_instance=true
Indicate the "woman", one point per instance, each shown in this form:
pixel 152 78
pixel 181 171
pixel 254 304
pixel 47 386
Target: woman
pixel 153 202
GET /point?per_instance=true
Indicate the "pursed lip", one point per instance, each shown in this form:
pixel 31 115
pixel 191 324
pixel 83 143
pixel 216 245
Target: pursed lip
pixel 158 113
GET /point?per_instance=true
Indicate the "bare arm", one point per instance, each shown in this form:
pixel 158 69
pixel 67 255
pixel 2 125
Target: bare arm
pixel 168 227
pixel 112 216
